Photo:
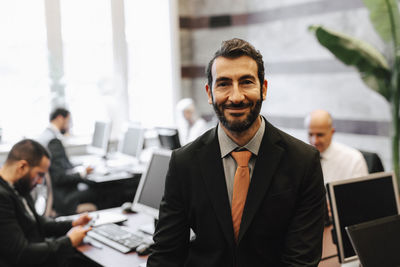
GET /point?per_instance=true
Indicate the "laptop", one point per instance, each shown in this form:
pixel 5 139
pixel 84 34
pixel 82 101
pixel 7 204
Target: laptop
pixel 377 242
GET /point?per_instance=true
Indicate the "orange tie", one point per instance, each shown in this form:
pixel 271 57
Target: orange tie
pixel 240 187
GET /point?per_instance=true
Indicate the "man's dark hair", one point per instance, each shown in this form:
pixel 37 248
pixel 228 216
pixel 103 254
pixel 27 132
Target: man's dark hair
pixel 235 48
pixel 59 111
pixel 28 150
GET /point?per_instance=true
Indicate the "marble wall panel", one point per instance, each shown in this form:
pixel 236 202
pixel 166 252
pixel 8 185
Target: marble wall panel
pixel 302 74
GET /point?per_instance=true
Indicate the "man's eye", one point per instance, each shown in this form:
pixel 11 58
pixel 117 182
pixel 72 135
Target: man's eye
pixel 222 84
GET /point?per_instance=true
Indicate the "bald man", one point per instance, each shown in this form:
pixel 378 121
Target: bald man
pixel 190 125
pixel 338 161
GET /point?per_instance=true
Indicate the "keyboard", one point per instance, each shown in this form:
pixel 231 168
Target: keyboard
pixel 120 175
pixel 115 237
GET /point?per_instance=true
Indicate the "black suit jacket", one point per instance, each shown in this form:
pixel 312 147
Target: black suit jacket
pixel 282 223
pixel 64 182
pixel 23 238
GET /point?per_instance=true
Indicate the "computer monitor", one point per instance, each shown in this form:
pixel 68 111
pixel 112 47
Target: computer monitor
pixel 359 200
pixel 132 142
pixel 151 186
pixel 101 135
pixel 169 138
pixel 377 242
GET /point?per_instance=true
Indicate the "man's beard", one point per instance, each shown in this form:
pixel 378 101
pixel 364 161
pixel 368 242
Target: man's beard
pixel 23 185
pixel 238 126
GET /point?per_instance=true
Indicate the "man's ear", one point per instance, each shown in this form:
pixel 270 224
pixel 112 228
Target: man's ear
pixel 264 89
pixel 22 166
pixel 209 93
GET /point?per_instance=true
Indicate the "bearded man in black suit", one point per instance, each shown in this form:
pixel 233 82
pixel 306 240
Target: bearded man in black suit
pixel 280 222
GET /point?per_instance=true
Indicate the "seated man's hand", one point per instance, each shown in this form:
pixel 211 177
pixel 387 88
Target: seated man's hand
pixel 82 220
pixel 89 170
pixel 76 234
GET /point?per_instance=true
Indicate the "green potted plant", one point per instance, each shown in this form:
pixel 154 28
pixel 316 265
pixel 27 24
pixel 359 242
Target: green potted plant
pixel 379 72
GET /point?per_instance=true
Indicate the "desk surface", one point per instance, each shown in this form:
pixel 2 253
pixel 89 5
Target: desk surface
pixel 329 250
pixel 110 257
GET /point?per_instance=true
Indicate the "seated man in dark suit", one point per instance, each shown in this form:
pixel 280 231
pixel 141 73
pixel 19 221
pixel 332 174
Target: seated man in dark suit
pixel 23 233
pixel 64 179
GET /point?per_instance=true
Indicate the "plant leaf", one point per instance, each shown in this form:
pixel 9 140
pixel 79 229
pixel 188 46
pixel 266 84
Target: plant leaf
pixel 385 17
pixel 371 64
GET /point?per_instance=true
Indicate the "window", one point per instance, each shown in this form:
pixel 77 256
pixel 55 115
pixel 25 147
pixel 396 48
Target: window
pixel 24 83
pixel 88 61
pixel 152 74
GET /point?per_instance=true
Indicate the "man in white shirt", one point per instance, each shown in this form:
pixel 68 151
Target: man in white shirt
pixel 338 161
pixel 190 125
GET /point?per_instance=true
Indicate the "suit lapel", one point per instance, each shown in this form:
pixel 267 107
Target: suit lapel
pixel 211 167
pixel 268 158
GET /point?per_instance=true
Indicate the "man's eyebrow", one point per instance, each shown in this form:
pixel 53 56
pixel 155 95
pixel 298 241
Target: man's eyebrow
pixel 248 76
pixel 222 79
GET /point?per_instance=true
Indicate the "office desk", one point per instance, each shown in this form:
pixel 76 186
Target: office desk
pixel 115 183
pixel 109 257
pixel 329 249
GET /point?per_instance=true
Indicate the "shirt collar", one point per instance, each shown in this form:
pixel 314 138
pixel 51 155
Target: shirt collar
pixel 56 131
pixel 11 185
pixel 227 145
pixel 328 152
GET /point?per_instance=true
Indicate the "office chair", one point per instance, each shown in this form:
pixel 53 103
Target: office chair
pixel 169 138
pixel 42 196
pixel 374 162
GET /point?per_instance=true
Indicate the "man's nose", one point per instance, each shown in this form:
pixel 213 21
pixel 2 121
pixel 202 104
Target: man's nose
pixel 313 139
pixel 236 94
pixel 39 179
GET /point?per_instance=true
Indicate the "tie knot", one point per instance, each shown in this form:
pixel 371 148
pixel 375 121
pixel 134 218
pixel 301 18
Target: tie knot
pixel 242 157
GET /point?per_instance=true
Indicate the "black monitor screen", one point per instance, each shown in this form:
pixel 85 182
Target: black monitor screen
pixel 377 242
pixel 151 187
pixel 360 200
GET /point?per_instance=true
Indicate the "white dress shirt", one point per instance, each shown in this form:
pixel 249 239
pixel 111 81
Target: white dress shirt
pixel 340 162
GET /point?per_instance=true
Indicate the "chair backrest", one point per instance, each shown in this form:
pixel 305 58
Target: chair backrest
pixel 374 162
pixel 49 211
pixel 42 196
pixel 169 138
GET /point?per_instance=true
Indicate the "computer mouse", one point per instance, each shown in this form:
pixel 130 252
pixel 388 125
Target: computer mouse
pixel 127 207
pixel 143 249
